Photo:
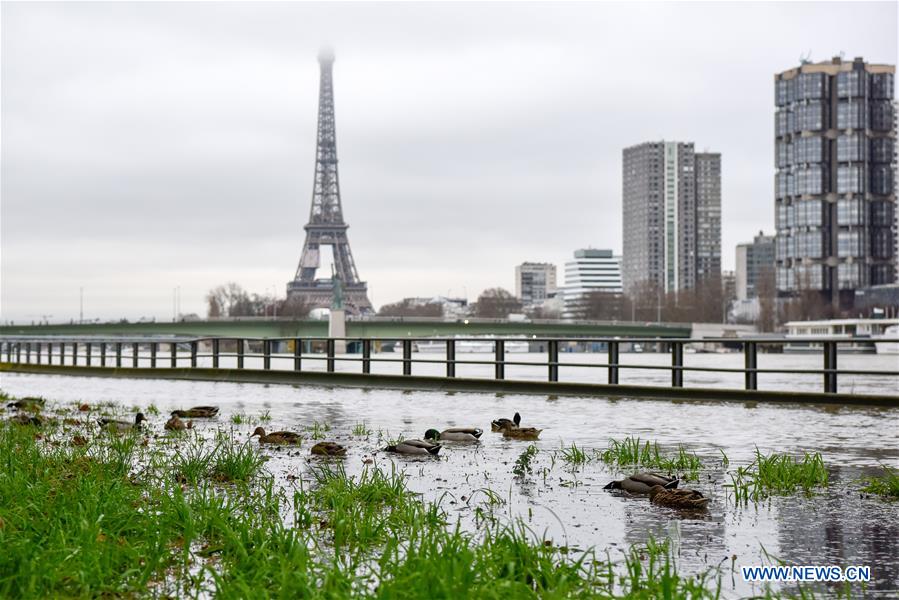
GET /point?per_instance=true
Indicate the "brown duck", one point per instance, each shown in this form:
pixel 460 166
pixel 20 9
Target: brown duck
pixel 197 412
pixel 175 424
pixel 689 499
pixel 277 437
pixel 328 449
pixel 641 483
pixel 501 424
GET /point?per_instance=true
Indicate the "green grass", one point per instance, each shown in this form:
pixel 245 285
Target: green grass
pixel 574 455
pixel 522 465
pixel 240 419
pixel 318 431
pixel 361 430
pixel 631 451
pixel 885 484
pixel 777 475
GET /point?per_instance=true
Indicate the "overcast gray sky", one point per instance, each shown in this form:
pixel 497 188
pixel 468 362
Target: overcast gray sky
pixel 152 145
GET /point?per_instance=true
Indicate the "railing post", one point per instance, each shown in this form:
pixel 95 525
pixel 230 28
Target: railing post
pixel 677 362
pixel 88 346
pixel 750 364
pixel 193 354
pixel 74 354
pixel 552 348
pixel 174 354
pixel 102 354
pixel 329 345
pixel 38 353
pixel 27 352
pixel 499 359
pixel 153 346
pixel 450 358
pixel 297 354
pixel 118 354
pixel 239 343
pixel 135 353
pixel 266 354
pixel 366 356
pixel 830 367
pixel 613 363
pixel 62 353
pixel 215 353
pixel 407 357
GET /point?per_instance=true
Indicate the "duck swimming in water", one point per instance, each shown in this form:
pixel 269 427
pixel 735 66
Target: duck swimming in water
pixel 122 426
pixel 454 434
pixel 641 483
pixel 277 437
pixel 502 423
pixel 197 412
pixel 415 448
pixel 687 499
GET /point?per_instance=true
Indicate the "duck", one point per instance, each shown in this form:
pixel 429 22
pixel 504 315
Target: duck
pixel 520 433
pixel 455 434
pixel 197 412
pixel 689 499
pixel 277 437
pixel 122 426
pixel 500 424
pixel 27 420
pixel 415 447
pixel 31 403
pixel 328 449
pixel 641 483
pixel 175 424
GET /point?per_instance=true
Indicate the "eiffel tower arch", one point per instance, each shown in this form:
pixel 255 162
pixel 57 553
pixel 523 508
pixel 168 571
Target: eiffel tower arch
pixel 326 226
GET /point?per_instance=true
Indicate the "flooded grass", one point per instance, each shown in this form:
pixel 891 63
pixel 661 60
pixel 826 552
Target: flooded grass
pixel 631 451
pixel 777 474
pixel 885 484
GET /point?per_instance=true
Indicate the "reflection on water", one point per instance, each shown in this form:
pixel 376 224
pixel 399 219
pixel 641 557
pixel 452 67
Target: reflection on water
pixel 569 506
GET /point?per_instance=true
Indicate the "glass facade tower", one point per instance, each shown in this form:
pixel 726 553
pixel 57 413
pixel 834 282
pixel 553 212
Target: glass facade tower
pixel 834 190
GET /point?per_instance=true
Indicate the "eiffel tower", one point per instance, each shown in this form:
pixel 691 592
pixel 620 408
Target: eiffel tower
pixel 326 226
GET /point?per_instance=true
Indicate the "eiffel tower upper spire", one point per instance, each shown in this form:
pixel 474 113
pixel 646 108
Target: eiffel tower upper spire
pixel 326 226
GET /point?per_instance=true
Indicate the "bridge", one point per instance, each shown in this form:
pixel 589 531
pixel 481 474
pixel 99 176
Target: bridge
pixel 373 327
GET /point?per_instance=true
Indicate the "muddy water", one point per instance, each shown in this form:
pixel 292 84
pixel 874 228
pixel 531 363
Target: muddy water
pixel 569 506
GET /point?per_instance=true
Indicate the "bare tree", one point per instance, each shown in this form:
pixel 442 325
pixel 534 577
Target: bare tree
pixel 295 306
pixel 766 291
pixel 496 303
pixel 600 305
pixel 410 308
pixel 214 310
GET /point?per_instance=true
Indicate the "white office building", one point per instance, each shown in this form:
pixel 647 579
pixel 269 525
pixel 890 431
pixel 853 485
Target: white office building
pixel 591 271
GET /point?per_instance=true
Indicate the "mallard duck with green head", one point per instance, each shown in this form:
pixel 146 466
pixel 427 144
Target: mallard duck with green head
pixel 641 483
pixel 285 438
pixel 500 424
pixel 454 434
pixel 197 412
pixel 686 499
pixel 122 426
pixel 415 448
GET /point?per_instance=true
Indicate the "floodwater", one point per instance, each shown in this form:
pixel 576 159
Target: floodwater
pixel 837 527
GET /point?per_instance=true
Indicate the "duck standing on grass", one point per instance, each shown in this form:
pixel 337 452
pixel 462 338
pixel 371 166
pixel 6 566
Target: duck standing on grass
pixel 197 412
pixel 122 426
pixel 454 434
pixel 415 448
pixel 328 449
pixel 641 483
pixel 688 499
pixel 277 437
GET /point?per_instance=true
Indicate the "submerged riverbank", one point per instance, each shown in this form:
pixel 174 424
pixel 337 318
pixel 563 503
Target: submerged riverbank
pixel 242 520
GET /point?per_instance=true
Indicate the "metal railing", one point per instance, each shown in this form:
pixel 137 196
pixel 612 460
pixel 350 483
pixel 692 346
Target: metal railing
pixel 127 352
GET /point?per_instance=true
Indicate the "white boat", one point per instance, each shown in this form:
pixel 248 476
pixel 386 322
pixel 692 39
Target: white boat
pixel 857 335
pixel 891 332
pixel 471 346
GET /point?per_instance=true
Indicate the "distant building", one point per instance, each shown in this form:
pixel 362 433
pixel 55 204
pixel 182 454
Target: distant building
pixel 728 287
pixel 671 203
pixel 590 271
pixel 452 307
pixel 534 283
pixel 752 260
pixel 834 186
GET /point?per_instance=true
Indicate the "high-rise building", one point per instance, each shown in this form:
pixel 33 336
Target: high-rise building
pixel 834 185
pixel 591 271
pixel 671 204
pixel 752 260
pixel 534 282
